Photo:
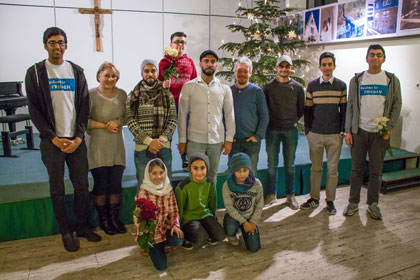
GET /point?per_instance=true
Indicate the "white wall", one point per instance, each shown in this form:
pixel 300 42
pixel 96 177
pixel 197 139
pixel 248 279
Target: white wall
pixel 402 58
pixel 136 30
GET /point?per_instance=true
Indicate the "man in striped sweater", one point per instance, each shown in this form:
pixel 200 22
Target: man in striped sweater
pixel 325 111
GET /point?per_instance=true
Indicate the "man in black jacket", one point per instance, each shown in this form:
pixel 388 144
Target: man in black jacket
pixel 59 106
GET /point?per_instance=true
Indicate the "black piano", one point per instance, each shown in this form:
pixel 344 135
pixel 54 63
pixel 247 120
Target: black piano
pixel 11 98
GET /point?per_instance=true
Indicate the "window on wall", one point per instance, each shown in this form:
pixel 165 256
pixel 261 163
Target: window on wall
pixel 316 3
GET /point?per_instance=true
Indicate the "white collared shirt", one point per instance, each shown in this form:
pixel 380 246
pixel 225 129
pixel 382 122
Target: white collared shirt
pixel 208 104
pixel 331 81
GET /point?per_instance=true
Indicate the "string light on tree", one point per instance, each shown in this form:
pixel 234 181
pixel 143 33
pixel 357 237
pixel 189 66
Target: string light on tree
pixel 292 34
pixel 268 34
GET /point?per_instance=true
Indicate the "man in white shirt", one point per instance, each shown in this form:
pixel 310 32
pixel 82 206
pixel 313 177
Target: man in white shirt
pixel 210 104
pixel 58 102
pixel 373 94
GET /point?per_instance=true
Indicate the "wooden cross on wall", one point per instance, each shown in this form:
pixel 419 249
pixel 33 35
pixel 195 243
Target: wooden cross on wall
pixel 97 13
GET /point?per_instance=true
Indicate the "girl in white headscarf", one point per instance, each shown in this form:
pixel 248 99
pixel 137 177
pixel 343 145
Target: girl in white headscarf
pixel 157 188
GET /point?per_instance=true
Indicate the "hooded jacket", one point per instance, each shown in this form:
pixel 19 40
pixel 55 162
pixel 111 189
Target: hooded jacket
pixel 392 107
pixel 40 102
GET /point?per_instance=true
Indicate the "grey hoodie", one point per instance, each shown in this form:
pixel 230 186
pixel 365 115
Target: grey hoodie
pixel 392 102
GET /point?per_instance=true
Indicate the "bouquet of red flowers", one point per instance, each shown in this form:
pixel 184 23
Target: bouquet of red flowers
pixel 145 220
pixel 170 63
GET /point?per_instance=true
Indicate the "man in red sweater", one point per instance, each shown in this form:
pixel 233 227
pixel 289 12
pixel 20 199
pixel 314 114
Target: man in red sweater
pixel 186 72
pixel 186 68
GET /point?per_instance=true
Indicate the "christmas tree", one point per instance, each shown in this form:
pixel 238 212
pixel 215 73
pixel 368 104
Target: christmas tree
pixel 272 32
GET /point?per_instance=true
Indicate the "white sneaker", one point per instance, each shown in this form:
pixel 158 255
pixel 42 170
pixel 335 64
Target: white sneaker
pixel 270 199
pixel 291 201
pixel 233 240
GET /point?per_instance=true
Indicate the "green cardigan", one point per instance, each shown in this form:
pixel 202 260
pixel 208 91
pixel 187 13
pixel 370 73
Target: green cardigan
pixel 195 200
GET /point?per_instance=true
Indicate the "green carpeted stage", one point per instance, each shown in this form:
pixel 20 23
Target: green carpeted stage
pixel 26 210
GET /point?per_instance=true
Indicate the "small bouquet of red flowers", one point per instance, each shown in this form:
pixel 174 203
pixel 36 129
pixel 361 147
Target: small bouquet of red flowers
pixel 170 63
pixel 145 220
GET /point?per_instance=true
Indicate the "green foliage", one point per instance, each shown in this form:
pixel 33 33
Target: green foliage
pixel 269 36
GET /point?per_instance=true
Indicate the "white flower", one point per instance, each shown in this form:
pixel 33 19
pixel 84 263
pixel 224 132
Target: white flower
pixel 380 126
pixel 381 121
pixel 171 52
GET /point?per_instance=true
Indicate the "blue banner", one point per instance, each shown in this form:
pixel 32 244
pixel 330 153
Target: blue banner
pixel 62 84
pixel 373 90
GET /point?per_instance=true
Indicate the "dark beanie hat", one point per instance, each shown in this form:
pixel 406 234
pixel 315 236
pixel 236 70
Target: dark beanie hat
pixel 238 161
pixel 198 156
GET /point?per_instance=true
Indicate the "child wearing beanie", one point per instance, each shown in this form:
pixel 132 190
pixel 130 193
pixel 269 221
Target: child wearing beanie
pixel 244 201
pixel 196 198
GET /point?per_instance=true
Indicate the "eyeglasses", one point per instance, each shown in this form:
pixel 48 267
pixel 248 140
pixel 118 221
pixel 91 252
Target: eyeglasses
pixel 179 42
pixel 52 43
pixel 378 55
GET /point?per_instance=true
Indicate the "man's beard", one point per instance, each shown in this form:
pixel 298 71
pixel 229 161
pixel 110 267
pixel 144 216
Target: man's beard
pixel 150 83
pixel 208 73
pixel 242 83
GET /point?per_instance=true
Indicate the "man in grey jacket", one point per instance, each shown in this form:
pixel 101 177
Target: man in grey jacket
pixel 373 94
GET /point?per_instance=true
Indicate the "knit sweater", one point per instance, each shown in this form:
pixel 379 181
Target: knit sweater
pixel 106 148
pixel 195 200
pixel 245 206
pixel 325 107
pixel 251 112
pixel 143 124
pixel 285 103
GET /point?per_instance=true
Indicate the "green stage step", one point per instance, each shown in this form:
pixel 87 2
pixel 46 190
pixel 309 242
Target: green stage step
pixel 400 175
pixel 400 179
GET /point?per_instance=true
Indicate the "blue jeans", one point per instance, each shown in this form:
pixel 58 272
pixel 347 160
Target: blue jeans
pixel 252 241
pixel 140 159
pixel 157 253
pixel 252 149
pixel 212 151
pixel 274 137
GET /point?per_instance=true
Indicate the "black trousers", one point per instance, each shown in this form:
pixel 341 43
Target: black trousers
pixel 198 231
pixel 107 180
pixel 55 160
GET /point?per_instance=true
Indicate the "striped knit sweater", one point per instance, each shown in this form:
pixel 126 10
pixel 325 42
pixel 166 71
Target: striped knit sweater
pixel 145 125
pixel 325 107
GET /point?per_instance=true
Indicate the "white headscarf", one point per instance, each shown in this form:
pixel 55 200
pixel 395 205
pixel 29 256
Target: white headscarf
pixel 159 190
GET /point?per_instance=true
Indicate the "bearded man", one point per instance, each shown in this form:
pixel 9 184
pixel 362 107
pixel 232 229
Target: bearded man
pixel 210 103
pixel 151 118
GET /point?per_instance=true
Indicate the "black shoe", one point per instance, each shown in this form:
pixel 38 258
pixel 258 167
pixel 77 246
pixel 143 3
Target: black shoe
pixel 184 161
pixel 187 245
pixel 70 242
pixel 310 203
pixel 104 220
pixel 331 208
pixel 211 241
pixel 89 235
pixel 114 210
